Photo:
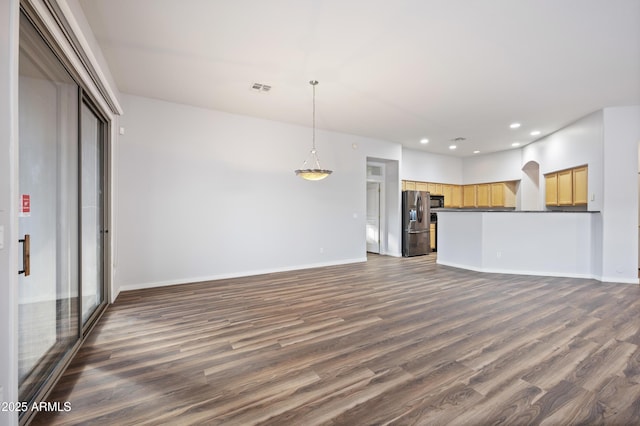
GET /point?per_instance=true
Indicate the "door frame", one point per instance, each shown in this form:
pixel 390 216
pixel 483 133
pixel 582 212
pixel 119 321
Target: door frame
pixel 382 222
pixel 58 35
pixel 85 98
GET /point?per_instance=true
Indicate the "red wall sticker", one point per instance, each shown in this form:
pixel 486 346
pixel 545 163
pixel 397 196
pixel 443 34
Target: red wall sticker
pixel 25 205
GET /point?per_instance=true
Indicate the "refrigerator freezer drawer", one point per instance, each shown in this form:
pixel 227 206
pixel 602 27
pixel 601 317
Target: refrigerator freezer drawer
pixel 416 243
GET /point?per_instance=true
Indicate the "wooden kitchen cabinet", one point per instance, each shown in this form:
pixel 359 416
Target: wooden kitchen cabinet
pixel 422 186
pixel 503 194
pixel 432 235
pixel 498 194
pixel 435 188
pixel 565 188
pixel 482 195
pixel 551 189
pixel 452 196
pixel 447 191
pixel 580 193
pixel 408 185
pixel 456 196
pixel 510 191
pixel 468 196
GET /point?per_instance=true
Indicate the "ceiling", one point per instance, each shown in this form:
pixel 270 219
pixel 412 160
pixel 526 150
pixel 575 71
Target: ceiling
pixel 397 70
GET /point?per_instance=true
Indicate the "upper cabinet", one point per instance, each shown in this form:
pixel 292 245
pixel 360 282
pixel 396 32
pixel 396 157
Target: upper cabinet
pixel 422 186
pixel 469 195
pixel 491 195
pixel 497 191
pixel 452 195
pixel 580 193
pixel 482 195
pixel 551 185
pixel 567 187
pixel 408 185
pixel 435 188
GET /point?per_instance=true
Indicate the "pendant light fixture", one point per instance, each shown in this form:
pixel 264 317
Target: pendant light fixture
pixel 317 173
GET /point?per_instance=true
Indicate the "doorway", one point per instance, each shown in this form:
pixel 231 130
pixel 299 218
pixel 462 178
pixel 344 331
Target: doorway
pixel 373 217
pixel 62 147
pixel 375 207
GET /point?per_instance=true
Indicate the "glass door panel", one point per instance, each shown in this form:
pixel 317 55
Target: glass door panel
pixel 48 185
pixel 91 146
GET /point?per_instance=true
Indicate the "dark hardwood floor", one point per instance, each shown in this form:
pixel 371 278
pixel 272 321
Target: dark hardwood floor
pixel 389 341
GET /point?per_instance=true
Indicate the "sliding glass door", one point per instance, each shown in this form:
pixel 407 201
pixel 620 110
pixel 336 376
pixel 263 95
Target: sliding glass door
pixel 61 223
pixel 48 186
pixel 92 134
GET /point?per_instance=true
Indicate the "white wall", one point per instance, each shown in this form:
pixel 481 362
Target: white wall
pixel 203 194
pixel 529 243
pixel 428 167
pixel 539 243
pixel 9 14
pixel 574 145
pixel 393 198
pixel 529 191
pixel 495 167
pixel 460 239
pixel 620 210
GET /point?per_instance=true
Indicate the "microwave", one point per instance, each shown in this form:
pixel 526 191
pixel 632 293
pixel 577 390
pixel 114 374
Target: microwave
pixel 436 201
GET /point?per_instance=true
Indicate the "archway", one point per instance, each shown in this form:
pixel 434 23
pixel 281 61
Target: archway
pixel 530 187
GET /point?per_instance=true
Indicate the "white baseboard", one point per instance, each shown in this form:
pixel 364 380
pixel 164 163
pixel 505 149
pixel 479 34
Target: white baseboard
pixel 619 280
pixel 188 280
pixel 542 273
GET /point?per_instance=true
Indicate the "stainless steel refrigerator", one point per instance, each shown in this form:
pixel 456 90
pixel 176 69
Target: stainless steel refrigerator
pixel 415 223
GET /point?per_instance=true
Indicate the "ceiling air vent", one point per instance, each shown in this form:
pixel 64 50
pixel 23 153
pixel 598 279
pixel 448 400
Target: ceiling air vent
pixel 260 87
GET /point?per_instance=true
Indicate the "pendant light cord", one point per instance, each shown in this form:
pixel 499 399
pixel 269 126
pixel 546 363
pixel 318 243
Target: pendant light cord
pixel 314 154
pixel 313 84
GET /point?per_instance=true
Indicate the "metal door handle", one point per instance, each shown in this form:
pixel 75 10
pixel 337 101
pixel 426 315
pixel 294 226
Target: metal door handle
pixel 26 255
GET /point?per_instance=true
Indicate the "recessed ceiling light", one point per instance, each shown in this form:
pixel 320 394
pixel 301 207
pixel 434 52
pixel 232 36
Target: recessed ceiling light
pixel 515 144
pixel 535 133
pixel 424 141
pixel 514 125
pixel 452 147
pixel 476 152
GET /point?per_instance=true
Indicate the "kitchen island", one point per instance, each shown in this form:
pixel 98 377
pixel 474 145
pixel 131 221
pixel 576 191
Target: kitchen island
pixel 521 242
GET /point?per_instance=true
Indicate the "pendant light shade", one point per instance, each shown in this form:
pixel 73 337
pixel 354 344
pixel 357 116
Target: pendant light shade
pixel 317 172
